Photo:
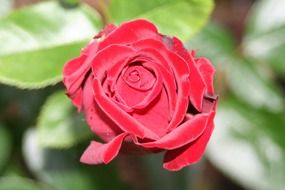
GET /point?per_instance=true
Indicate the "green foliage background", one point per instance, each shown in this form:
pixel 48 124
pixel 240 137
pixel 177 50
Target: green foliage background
pixel 42 136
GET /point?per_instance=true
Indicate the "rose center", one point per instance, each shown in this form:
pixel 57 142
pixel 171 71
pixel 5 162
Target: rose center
pixel 139 78
pixel 135 84
pixel 133 76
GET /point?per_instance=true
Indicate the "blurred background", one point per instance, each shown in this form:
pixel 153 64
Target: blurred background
pixel 42 136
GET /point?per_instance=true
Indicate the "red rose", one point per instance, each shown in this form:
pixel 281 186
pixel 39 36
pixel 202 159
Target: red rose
pixel 141 88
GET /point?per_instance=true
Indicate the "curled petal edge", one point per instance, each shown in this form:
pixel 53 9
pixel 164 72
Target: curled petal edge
pixel 191 153
pixel 183 134
pixel 97 153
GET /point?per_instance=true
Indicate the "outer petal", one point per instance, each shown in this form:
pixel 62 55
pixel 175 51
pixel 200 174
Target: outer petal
pixel 191 153
pixel 98 153
pixel 73 65
pixel 207 71
pixel 76 99
pixel 183 134
pixel 69 79
pixel 197 84
pixel 130 32
pixel 74 72
pixel 98 121
pixel 109 57
pixel 106 31
pixel 69 71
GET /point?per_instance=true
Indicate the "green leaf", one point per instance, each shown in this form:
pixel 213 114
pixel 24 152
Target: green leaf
pixel 248 145
pixel 39 68
pixel 18 183
pixel 265 37
pixel 5 146
pixel 254 88
pixel 59 125
pixel 243 76
pixel 182 18
pixel 38 40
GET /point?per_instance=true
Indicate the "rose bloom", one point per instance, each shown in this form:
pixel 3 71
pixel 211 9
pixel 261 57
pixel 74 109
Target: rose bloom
pixel 142 92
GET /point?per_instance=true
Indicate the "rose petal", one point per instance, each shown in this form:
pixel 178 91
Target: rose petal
pixel 197 84
pixel 121 118
pixel 167 77
pixel 76 99
pixel 106 58
pixel 166 73
pixel 74 71
pixel 183 90
pixel 98 121
pixel 130 32
pixel 72 65
pixel 207 71
pixel 97 153
pixel 109 84
pixel 155 115
pixel 72 80
pixel 183 134
pixel 191 153
pixel 91 48
pixel 209 103
pixel 106 31
pixel 77 67
pixel 155 91
pixel 103 64
pixel 193 52
pixel 181 72
pixel 71 74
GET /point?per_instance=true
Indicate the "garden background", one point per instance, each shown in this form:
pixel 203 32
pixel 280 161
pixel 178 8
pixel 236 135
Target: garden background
pixel 42 136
